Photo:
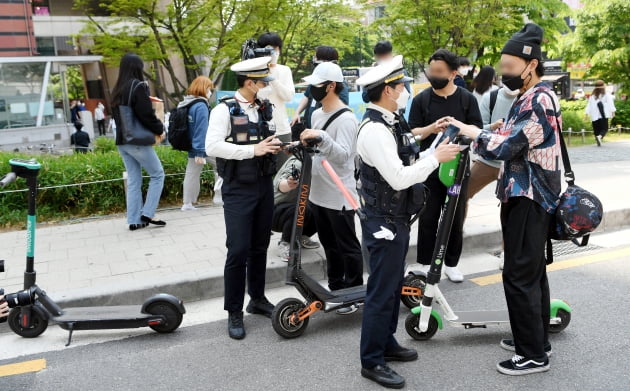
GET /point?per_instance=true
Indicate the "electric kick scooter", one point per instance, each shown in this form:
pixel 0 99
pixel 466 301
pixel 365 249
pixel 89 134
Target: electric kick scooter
pixel 424 320
pixel 33 309
pixel 290 316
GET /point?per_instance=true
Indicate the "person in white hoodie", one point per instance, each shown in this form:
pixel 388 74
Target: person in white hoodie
pixel 282 89
pixel 600 107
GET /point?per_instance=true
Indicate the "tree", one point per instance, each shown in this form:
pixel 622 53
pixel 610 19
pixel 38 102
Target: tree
pixel 471 28
pixel 602 39
pixel 206 35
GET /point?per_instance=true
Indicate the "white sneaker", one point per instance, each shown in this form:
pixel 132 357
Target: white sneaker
pixel 284 251
pixel 217 199
pixel 453 274
pixel 501 256
pixel 188 207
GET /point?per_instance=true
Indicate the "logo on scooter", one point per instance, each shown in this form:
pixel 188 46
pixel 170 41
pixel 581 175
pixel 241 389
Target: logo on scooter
pixel 302 205
pixel 454 190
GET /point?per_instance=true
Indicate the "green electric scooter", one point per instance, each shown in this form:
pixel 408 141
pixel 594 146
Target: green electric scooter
pixel 424 320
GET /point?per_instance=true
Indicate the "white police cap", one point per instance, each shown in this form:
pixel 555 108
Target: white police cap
pixel 326 71
pixel 255 68
pixel 386 72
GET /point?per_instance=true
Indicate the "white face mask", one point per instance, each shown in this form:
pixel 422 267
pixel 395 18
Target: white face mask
pixel 464 71
pixel 264 93
pixel 509 92
pixel 402 100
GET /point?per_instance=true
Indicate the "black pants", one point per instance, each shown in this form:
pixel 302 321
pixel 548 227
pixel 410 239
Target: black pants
pixel 382 302
pixel 337 233
pixel 284 219
pixel 101 127
pixel 600 127
pixel 525 225
pixel 428 222
pixel 247 209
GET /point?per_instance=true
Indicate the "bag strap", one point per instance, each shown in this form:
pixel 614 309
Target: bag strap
pixel 493 100
pixel 569 175
pixel 334 117
pixel 133 87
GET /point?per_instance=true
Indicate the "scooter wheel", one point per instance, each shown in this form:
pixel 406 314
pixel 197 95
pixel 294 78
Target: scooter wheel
pixel 281 318
pixel 39 323
pixel 414 281
pixel 565 319
pixel 169 312
pixel 411 325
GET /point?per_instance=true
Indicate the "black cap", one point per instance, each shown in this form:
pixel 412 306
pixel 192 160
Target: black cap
pixel 526 43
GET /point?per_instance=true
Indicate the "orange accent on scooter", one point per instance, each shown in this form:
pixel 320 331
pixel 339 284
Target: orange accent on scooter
pixel 411 291
pixel 307 311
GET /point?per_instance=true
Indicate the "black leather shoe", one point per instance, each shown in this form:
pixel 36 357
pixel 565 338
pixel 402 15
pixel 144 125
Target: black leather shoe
pixel 149 220
pixel 401 354
pixel 236 328
pixel 384 375
pixel 260 306
pixel 133 227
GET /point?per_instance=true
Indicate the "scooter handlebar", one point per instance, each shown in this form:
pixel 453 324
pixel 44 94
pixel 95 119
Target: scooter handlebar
pixel 10 177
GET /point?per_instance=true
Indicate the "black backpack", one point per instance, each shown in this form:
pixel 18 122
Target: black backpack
pixel 178 135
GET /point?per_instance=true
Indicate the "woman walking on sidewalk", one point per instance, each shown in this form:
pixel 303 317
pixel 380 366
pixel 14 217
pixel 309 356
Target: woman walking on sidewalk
pixel 133 91
pixel 600 107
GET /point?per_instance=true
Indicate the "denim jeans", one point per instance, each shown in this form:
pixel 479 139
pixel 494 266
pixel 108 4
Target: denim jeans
pixel 136 158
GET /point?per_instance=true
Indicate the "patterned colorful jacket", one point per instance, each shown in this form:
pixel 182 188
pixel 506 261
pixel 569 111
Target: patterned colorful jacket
pixel 529 145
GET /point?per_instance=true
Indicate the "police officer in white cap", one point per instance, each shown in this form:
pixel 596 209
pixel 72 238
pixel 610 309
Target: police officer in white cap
pixel 391 192
pixel 240 137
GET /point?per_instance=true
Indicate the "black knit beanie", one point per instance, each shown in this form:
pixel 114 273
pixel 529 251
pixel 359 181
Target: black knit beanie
pixel 526 43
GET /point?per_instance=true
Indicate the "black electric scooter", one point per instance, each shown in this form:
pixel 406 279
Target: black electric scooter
pixel 290 316
pixel 32 308
pixel 424 321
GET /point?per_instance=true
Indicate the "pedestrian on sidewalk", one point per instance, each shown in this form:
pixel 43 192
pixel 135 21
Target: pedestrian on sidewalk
pixel 600 108
pixel 99 116
pixel 427 115
pixel 245 149
pixel 390 174
pixel 132 90
pixel 483 82
pixel 529 190
pixel 285 186
pixel 337 127
pixel 197 98
pixel 80 139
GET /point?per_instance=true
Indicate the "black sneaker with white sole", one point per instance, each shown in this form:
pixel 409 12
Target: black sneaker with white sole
pixel 508 344
pixel 519 365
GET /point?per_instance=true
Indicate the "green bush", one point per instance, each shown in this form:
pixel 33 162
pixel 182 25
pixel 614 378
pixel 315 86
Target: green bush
pixel 573 105
pixel 622 116
pixel 575 120
pixel 62 202
pixel 104 144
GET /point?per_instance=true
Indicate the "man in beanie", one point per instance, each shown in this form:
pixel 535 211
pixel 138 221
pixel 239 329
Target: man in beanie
pixel 529 190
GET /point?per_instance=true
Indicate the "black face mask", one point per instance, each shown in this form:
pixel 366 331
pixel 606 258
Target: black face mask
pixel 438 83
pixel 513 82
pixel 319 93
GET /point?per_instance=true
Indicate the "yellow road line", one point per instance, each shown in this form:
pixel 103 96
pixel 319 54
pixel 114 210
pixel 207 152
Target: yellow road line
pixel 585 260
pixel 22 367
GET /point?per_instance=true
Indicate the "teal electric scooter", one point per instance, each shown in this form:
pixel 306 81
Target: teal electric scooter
pixel 424 320
pixel 32 308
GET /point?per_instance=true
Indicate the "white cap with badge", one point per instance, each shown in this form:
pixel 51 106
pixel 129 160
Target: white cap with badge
pixel 255 68
pixel 326 71
pixel 386 72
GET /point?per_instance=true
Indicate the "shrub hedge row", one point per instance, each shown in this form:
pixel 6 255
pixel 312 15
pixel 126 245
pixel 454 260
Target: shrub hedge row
pixel 104 164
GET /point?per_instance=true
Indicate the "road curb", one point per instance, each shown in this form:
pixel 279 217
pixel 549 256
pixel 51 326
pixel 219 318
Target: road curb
pixel 195 286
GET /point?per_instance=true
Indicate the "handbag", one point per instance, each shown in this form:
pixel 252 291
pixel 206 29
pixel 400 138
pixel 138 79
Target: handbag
pixel 579 212
pixel 134 132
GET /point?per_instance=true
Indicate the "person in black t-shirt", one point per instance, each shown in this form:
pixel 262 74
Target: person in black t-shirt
pixel 80 139
pixel 427 116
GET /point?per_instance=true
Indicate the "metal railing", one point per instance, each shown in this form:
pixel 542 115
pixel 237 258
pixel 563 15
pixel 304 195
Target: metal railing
pixel 582 133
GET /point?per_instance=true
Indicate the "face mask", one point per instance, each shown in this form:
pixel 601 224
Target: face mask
pixel 513 82
pixel 264 93
pixel 274 57
pixel 402 100
pixel 319 93
pixel 464 71
pixel 509 92
pixel 438 83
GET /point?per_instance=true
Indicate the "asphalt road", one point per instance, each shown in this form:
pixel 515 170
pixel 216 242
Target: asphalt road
pixel 591 354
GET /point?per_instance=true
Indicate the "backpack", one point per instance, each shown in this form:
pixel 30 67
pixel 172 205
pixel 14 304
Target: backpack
pixel 178 134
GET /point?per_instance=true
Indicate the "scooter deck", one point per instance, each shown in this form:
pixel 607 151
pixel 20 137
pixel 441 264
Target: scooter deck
pixel 480 318
pixel 93 318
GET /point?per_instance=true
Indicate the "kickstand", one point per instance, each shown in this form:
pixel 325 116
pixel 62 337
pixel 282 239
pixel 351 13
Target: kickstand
pixel 70 330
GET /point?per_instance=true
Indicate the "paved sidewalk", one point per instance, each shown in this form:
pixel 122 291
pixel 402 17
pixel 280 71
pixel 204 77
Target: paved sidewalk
pixel 99 261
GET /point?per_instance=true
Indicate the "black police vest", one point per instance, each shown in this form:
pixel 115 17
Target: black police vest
pixel 375 192
pixel 245 132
